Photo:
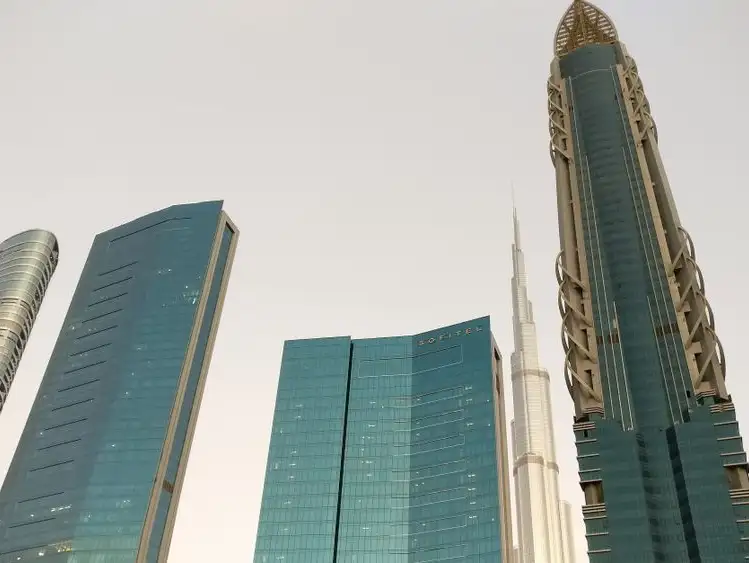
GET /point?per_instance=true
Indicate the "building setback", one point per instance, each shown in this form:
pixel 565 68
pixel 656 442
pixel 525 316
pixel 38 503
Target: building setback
pixel 542 530
pixel 389 449
pixel 27 262
pixel 98 471
pixel 661 459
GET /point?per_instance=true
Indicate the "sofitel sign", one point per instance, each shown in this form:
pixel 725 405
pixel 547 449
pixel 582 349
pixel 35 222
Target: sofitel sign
pixel 448 335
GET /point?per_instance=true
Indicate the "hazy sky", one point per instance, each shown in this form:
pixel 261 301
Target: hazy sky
pixel 365 149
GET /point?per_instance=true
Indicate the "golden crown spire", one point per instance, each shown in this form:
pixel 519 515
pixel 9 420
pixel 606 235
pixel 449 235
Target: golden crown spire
pixel 583 24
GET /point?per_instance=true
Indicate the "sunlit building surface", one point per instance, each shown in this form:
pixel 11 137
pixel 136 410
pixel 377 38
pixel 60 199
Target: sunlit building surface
pixel 543 531
pixel 389 450
pixel 27 262
pixel 97 474
pixel 661 460
pixel 568 532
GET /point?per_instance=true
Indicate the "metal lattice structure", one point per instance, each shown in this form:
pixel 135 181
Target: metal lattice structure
pixel 583 24
pixel 27 262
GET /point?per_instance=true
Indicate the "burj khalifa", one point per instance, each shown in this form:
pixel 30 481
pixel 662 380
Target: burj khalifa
pixel 543 524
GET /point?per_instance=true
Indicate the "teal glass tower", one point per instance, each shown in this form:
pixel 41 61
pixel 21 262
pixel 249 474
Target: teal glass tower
pixel 98 471
pixel 661 459
pixel 389 450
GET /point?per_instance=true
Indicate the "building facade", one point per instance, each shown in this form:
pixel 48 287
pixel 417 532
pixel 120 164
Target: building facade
pixel 661 459
pixel 568 532
pixel 541 527
pixel 27 262
pixel 389 450
pixel 98 471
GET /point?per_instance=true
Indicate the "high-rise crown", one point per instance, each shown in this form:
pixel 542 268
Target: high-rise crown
pixel 583 24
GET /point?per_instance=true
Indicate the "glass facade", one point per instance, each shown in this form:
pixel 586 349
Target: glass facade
pixel 97 473
pixel 388 450
pixel 660 456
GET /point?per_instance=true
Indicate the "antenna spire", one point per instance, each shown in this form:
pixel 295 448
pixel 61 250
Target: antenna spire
pixel 515 221
pixel 512 194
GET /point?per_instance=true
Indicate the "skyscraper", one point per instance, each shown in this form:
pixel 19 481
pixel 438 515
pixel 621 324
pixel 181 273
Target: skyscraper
pixel 661 460
pixel 97 474
pixel 541 537
pixel 568 536
pixel 27 262
pixel 389 450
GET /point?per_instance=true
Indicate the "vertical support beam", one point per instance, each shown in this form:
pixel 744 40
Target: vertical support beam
pixel 578 333
pixel 694 316
pixel 503 469
pixel 159 481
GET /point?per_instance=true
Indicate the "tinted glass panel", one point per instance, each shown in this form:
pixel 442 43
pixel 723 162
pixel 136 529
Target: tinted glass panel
pixel 411 423
pixel 664 475
pixel 80 482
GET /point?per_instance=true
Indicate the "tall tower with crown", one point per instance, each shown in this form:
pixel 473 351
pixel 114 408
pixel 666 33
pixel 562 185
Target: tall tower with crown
pixel 661 459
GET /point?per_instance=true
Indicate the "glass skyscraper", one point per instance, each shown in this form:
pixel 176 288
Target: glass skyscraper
pixel 661 459
pixel 97 474
pixel 389 450
pixel 27 262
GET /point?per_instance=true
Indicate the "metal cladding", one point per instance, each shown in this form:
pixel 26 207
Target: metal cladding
pixel 568 536
pixel 539 520
pixel 27 262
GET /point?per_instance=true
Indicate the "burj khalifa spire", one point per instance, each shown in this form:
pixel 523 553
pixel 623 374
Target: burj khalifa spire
pixel 541 516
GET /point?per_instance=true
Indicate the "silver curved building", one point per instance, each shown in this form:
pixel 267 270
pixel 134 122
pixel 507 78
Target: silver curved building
pixel 27 261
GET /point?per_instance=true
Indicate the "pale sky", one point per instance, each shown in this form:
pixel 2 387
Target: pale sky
pixel 365 149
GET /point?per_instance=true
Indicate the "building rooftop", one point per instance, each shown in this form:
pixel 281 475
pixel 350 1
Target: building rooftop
pixel 583 24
